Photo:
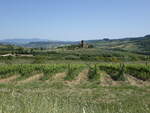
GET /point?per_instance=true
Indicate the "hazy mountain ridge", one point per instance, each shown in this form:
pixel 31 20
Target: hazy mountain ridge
pixel 21 42
pixel 50 44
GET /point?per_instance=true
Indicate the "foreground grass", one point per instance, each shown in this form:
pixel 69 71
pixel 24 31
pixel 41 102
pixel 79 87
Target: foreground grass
pixel 64 96
pixel 39 97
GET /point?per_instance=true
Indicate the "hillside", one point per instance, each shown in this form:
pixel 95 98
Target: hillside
pixel 134 44
pixel 5 49
pixel 138 45
pixel 119 48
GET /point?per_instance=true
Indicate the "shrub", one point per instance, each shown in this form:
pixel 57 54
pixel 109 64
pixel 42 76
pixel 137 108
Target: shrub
pixel 93 73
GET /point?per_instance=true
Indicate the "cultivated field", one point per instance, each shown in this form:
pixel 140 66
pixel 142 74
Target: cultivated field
pixel 75 88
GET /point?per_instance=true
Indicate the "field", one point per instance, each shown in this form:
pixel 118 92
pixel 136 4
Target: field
pixel 74 56
pixel 102 79
pixel 75 88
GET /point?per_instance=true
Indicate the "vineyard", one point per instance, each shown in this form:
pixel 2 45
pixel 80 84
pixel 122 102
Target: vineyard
pixel 96 72
pixel 75 88
pixel 74 56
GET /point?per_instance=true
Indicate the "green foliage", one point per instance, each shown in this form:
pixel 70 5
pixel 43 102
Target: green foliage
pixel 73 71
pixel 116 71
pixel 50 70
pixel 72 57
pixel 29 69
pixel 93 72
pixel 39 59
pixel 120 75
pixel 140 71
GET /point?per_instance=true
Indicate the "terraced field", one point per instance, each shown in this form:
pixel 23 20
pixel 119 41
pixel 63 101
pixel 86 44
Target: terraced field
pixel 75 88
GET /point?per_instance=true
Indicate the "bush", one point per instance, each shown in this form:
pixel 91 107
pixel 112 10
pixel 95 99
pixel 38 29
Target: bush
pixel 93 73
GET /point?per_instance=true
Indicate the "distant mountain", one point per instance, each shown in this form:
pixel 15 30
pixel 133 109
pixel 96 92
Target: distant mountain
pixel 21 42
pixel 50 44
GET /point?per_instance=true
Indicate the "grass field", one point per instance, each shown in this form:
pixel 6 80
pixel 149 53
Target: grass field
pixel 75 100
pixel 75 88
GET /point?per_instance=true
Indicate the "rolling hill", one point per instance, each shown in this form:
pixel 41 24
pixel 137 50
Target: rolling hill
pixel 129 44
pixel 138 44
pixel 135 44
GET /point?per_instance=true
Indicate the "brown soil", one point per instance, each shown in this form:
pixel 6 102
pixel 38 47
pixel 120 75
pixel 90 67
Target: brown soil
pixel 59 76
pixel 82 77
pixel 9 79
pixel 30 79
pixel 136 82
pixel 106 80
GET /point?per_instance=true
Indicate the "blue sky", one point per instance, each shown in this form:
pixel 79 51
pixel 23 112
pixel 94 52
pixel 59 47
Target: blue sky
pixel 74 19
